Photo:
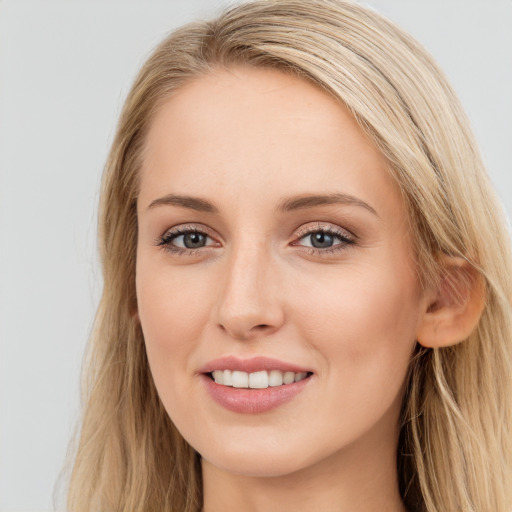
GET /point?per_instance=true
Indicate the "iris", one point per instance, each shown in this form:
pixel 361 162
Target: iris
pixel 321 240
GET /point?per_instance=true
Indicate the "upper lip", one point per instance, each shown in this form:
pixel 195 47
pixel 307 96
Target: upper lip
pixel 254 364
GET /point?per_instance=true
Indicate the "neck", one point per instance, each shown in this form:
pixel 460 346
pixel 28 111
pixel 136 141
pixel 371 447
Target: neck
pixel 361 477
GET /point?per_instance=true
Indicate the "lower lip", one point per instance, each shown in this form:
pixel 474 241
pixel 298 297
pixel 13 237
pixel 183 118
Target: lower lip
pixel 253 401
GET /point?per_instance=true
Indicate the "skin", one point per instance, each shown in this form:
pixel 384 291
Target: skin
pixel 245 139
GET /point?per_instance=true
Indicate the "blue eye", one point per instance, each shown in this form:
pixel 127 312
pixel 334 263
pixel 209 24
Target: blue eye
pixel 321 240
pixel 324 240
pixel 185 240
pixel 192 240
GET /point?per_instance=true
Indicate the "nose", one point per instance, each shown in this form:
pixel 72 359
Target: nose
pixel 249 305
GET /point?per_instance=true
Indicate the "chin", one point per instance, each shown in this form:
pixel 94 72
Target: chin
pixel 261 465
pixel 262 459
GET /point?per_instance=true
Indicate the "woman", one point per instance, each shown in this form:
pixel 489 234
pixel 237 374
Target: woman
pixel 307 298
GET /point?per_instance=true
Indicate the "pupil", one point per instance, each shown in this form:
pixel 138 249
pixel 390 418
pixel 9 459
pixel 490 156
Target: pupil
pixel 193 240
pixel 321 240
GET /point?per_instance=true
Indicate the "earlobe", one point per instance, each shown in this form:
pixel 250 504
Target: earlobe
pixel 454 307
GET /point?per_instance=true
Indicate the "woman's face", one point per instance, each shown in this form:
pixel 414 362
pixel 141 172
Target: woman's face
pixel 273 245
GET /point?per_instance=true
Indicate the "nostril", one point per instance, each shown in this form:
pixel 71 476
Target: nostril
pixel 244 329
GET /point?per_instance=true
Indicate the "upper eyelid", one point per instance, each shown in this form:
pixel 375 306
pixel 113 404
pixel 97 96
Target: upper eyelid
pixel 332 228
pixel 187 228
pixel 303 228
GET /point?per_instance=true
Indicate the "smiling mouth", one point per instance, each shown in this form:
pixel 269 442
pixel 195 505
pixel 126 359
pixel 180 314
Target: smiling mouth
pixel 256 380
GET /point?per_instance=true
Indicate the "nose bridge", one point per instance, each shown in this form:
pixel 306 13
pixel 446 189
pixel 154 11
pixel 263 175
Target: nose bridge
pixel 248 302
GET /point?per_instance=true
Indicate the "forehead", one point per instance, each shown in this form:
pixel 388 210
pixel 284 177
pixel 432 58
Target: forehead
pixel 245 130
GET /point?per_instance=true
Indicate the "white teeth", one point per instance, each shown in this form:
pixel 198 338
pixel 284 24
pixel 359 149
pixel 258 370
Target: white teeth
pixel 256 380
pixel 227 378
pixel 288 377
pixel 275 378
pixel 240 379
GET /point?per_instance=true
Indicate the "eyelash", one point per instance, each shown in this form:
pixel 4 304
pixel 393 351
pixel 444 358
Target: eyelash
pixel 346 240
pixel 165 241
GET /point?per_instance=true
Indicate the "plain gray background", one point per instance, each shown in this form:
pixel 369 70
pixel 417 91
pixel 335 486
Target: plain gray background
pixel 65 67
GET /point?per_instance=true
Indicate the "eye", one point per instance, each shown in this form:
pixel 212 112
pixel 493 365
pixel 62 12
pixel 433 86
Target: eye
pixel 323 239
pixel 192 240
pixel 185 240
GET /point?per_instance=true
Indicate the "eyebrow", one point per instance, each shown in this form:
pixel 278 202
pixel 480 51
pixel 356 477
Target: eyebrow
pixel 310 201
pixel 192 203
pixel 290 204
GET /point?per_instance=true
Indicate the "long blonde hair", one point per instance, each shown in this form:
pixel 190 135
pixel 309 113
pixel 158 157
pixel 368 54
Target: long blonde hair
pixel 454 449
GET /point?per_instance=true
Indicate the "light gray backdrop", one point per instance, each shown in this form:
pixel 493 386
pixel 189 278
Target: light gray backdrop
pixel 65 67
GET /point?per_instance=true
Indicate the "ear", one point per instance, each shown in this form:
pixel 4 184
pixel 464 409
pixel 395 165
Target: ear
pixel 454 307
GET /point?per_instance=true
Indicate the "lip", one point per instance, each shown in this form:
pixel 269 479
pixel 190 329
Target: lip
pixel 252 401
pixel 254 364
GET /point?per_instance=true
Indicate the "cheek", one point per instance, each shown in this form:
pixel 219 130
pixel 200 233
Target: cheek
pixel 363 321
pixel 173 309
pixel 363 326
